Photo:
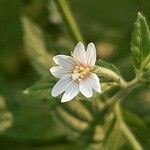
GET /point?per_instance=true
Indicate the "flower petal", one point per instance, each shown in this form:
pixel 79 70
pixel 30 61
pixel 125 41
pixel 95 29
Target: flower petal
pixel 94 82
pixel 79 53
pixel 75 76
pixel 70 92
pixel 91 55
pixel 56 72
pixel 59 72
pixel 64 61
pixel 61 85
pixel 85 88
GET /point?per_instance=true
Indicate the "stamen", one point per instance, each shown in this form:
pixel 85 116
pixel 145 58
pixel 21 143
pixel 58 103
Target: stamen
pixel 81 75
pixel 75 71
pixel 79 79
pixel 81 68
pixel 84 72
pixel 87 69
pixel 77 67
pixel 80 72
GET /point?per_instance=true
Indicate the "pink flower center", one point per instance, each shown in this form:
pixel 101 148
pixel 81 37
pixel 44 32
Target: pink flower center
pixel 80 72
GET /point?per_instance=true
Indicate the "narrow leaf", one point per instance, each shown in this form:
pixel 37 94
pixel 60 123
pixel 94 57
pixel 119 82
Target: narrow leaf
pixel 140 43
pixel 35 46
pixel 42 90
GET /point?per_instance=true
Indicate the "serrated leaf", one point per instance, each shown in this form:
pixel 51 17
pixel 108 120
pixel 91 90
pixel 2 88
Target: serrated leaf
pixel 140 43
pixel 35 46
pixel 146 69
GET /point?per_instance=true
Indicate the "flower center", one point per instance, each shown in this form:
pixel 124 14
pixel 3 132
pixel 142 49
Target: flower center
pixel 80 72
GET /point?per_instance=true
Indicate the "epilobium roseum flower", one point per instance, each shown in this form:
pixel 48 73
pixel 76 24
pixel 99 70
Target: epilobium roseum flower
pixel 75 73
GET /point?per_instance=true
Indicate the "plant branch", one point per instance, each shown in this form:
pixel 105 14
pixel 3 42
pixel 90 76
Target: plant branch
pixel 123 93
pixel 111 75
pixel 68 18
pixel 125 129
pixel 113 103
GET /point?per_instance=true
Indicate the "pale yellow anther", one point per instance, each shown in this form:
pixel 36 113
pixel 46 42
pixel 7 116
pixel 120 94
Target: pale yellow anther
pixel 80 72
pixel 77 67
pixel 81 68
pixel 79 79
pixel 84 72
pixel 81 75
pixel 87 69
pixel 75 71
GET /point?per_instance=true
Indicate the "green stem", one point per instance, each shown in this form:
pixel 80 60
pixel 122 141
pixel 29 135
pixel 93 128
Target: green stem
pixel 123 93
pixel 125 129
pixel 114 103
pixel 68 18
pixel 133 83
pixel 111 75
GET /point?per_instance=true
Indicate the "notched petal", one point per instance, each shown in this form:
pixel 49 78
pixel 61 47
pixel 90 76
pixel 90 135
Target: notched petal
pixel 91 55
pixel 64 61
pixel 79 53
pixel 56 72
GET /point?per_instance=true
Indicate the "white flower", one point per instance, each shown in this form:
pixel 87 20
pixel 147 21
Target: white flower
pixel 75 73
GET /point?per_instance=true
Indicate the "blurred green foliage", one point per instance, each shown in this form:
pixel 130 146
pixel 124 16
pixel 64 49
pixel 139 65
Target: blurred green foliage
pixel 108 23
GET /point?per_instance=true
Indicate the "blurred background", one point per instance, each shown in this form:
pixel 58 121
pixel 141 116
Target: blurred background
pixel 26 122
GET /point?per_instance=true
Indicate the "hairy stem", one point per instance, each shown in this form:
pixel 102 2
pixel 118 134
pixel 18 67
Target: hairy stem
pixel 125 129
pixel 68 18
pixel 113 103
pixel 123 93
pixel 111 75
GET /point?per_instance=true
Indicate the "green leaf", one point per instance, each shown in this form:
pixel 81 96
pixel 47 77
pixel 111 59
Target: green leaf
pixel 116 139
pixel 140 43
pixel 139 128
pixel 146 69
pixel 32 119
pixel 73 117
pixel 42 90
pixel 35 46
pixel 82 119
